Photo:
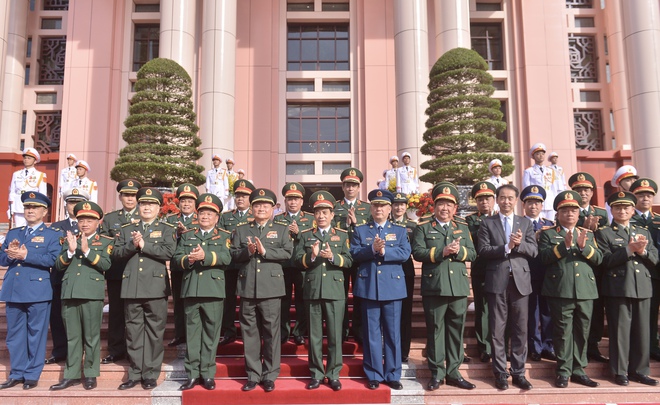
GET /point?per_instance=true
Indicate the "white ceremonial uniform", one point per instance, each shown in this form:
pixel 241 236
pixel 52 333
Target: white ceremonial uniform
pixel 21 181
pixel 89 186
pixel 407 180
pixel 547 178
pixel 217 182
pixel 67 176
pixel 390 177
pixel 228 201
pixel 497 181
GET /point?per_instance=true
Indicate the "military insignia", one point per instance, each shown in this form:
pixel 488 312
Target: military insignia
pixel 32 195
pixel 446 190
pixel 581 177
pixel 457 231
pixel 241 184
pixel 352 173
pixel 379 194
pixel 568 196
pixel 319 197
pixel 483 186
pixel 390 237
pixel 186 188
pixel 293 187
pixel 621 194
pixel 148 192
pixel 335 238
pixel 645 183
pixel 262 193
pixel 156 234
pixel 271 235
pixel 109 249
pixel 75 192
pixel 130 184
pixel 208 199
pixel 535 189
pixel 37 239
pixel 86 206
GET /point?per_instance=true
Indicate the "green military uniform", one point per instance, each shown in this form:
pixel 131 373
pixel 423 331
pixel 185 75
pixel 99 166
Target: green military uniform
pixel 445 287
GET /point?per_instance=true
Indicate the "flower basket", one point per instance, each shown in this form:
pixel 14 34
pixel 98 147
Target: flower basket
pixel 420 204
pixel 170 205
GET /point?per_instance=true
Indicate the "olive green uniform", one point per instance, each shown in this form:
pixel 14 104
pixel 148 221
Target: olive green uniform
pixel 478 278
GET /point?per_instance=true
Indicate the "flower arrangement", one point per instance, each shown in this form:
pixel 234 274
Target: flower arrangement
pixel 231 179
pixel 391 184
pixel 421 203
pixel 170 205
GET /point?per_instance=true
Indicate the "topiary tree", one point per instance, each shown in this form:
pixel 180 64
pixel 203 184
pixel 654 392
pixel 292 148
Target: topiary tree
pixel 160 130
pixel 463 122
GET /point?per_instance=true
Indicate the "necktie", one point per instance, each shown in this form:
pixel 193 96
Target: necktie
pixel 380 229
pixel 507 229
pixel 80 182
pixel 128 216
pixel 240 215
pixel 445 227
pixel 584 212
pixel 498 181
pixel 74 224
pixel 323 234
pixel 28 231
pixel 144 227
pixel 350 205
pixel 536 225
pixel 541 167
pixel 26 172
pixel 627 230
pixel 261 228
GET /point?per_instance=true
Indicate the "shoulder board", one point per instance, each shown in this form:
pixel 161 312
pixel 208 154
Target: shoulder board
pixel 186 231
pixel 310 229
pixel 223 230
pixel 473 214
pixel 168 224
pixel 423 222
pixel 585 229
pixel 242 224
pixel 280 223
pixel 125 225
pixel 399 225
pixel 359 225
pixel 278 216
pixel 603 227
pixel 307 213
pixel 544 228
pixel 339 230
pixel 107 237
pixel 171 215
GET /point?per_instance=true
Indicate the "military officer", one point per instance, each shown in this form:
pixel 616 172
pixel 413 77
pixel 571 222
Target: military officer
pixel 217 180
pixel 186 219
pixel 443 246
pixel 622 179
pixel 407 177
pixel 390 175
pixel 111 226
pixel 29 252
pixel 200 256
pixel 242 214
pixel 26 179
pixel 260 248
pixel 83 260
pixel 145 246
pixel 495 168
pixel 68 174
pixel 629 259
pixel 323 252
pixel 57 331
pixel 543 176
pixel 298 221
pixel 84 182
pixel 569 254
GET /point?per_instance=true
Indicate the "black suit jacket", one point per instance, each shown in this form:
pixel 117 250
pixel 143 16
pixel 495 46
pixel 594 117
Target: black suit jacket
pixel 498 264
pixel 61 226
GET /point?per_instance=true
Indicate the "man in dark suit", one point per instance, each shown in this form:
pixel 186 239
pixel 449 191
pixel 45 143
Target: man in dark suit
pixel 380 248
pixel 507 242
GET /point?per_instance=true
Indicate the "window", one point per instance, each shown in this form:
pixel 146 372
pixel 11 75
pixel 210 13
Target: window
pixel 47 98
pixel 587 96
pixel 504 136
pixel 23 122
pixel 47 132
pixel 51 23
pixel 582 50
pixel 588 129
pixel 335 7
pixel 584 22
pixel 489 6
pixel 300 86
pixel 307 6
pixel 336 86
pixel 145 44
pixel 317 47
pixel 51 60
pixel 27 75
pixel 147 8
pixel 299 169
pixel 579 3
pixel 28 50
pixel 335 167
pixel 499 84
pixel 56 5
pixel 487 41
pixel 318 128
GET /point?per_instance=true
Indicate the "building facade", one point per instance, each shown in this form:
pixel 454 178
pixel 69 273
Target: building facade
pixel 298 90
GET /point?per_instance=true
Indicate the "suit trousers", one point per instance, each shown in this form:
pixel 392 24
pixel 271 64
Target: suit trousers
pixel 203 318
pixel 229 310
pixel 145 327
pixel 27 333
pixel 539 322
pixel 116 319
pixel 333 313
pixel 293 284
pixel 57 331
pixel 628 330
pixel 481 329
pixel 381 331
pixel 176 278
pixel 508 307
pixel 260 318
pixel 571 319
pixel 82 319
pixel 445 320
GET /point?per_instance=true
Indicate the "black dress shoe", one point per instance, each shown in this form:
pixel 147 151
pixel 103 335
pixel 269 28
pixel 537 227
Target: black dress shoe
pixel 89 383
pixel 561 381
pixel 596 356
pixel 434 384
pixel 535 356
pixel 227 340
pixel 176 341
pixel 54 360
pixel 128 384
pixel 521 382
pixel 29 384
pixel 313 384
pixel 373 384
pixel 10 383
pixel 501 383
pixel 484 357
pixel 149 383
pixel 269 385
pixel 208 383
pixel 584 380
pixel 547 354
pixel 284 339
pixel 642 379
pixel 335 385
pixel 189 384
pixel 64 384
pixel 395 385
pixel 249 386
pixel 299 340
pixel 460 383
pixel 466 358
pixel 621 379
pixel 112 358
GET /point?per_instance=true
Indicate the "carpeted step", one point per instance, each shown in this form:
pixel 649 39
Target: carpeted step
pixel 289 348
pixel 234 367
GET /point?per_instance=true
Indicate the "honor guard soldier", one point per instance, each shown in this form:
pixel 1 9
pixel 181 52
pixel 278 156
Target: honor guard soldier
pixel 390 175
pixel 443 246
pixel 407 178
pixel 29 252
pixel 623 178
pixel 543 176
pixel 324 252
pixel 68 174
pixel 495 168
pixel 84 182
pixel 298 221
pixel 232 177
pixel 570 253
pixel 629 260
pixel 242 214
pixel 146 246
pixel 201 254
pixel 552 158
pixel 186 219
pixel 26 179
pixel 260 248
pixel 83 260
pixel 217 181
pixel 483 193
pixel 57 331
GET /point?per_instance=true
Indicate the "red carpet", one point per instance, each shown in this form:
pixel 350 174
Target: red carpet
pixel 289 349
pixel 234 367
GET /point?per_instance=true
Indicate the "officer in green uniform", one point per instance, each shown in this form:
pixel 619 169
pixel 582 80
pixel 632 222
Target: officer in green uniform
pixel 83 260
pixel 349 212
pixel 200 255
pixel 443 246
pixel 324 252
pixel 645 189
pixel 146 246
pixel 483 193
pixel 186 219
pixel 298 221
pixel 629 258
pixel 242 214
pixel 569 254
pixel 111 226
pixel 260 248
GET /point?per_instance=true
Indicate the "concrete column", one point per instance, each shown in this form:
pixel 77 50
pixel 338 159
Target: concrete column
pixel 177 32
pixel 4 31
pixel 641 36
pixel 411 50
pixel 218 76
pixel 452 25
pixel 14 76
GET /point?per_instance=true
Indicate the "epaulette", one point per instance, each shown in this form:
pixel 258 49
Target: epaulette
pixel 585 229
pixel 459 219
pixel 188 230
pixel 364 223
pixel 171 215
pixel 338 229
pixel 107 237
pixel 474 213
pixel 168 224
pixel 399 225
pixel 309 230
pixel 281 223
pixel 595 206
pixel 223 230
pixel 603 227
pixel 423 222
pixel 242 224
pixel 130 223
pixel 545 228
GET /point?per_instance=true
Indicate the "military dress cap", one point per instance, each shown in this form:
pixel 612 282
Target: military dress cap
pixel 243 187
pixel 35 198
pixel 582 179
pixel 623 172
pixel 537 147
pixel 551 155
pixel 230 160
pixel 351 175
pixel 216 157
pixel 644 185
pixel 483 188
pixel 494 163
pixel 210 201
pixel 567 198
pixel 532 192
pixel 32 152
pixel 400 198
pixel 129 186
pixel 239 171
pixel 87 209
pixel 622 198
pixel 379 196
pixel 149 194
pixel 322 199
pixel 83 164
pixel 75 194
pixel 71 156
pixel 293 189
pixel 394 158
pixel 445 191
pixel 405 154
pixel 263 195
pixel 187 190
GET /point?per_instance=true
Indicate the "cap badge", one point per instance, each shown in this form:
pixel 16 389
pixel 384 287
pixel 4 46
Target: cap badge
pixel 208 199
pixel 621 194
pixel 148 192
pixel 352 173
pixel 293 187
pixel 398 195
pixel 446 190
pixel 186 189
pixel 581 177
pixel 262 193
pixel 535 189
pixel 75 191
pixel 32 195
pixel 568 196
pixel 87 207
pixel 130 184
pixel 241 184
pixel 645 183
pixel 483 186
pixel 379 194
pixel 319 197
